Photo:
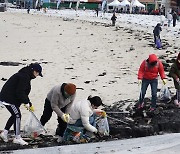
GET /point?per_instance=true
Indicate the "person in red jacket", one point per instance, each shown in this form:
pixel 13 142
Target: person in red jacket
pixel 148 74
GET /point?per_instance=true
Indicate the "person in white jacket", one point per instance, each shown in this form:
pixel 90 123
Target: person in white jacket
pixel 82 113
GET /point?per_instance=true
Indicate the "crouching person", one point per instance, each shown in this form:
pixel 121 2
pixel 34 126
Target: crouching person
pixel 59 99
pixel 83 116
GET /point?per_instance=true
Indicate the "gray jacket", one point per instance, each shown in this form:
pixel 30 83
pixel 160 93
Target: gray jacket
pixel 58 101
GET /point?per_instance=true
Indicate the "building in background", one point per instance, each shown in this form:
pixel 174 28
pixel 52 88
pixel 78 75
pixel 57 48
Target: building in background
pixel 92 4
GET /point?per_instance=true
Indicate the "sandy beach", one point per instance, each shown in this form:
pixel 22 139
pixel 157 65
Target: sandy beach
pixel 82 49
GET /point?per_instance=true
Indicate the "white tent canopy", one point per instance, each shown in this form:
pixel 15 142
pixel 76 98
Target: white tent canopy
pixel 124 3
pixel 135 3
pixel 114 3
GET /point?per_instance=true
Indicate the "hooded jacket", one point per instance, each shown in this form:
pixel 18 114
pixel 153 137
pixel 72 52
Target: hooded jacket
pixel 157 30
pixel 175 72
pixel 146 71
pixel 17 88
pixel 58 100
pixel 82 110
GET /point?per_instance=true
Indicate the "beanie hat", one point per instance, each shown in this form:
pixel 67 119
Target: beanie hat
pixel 96 100
pixel 70 88
pixel 36 67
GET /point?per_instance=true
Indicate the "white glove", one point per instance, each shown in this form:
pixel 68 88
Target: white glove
pixel 177 80
pixel 65 117
pixel 139 82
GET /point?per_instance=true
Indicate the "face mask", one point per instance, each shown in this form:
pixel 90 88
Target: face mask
pixel 66 94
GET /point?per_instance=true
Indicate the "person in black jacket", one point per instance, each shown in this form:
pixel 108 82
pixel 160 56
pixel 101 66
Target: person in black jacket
pixel 157 31
pixel 28 7
pixel 113 18
pixel 174 18
pixel 14 93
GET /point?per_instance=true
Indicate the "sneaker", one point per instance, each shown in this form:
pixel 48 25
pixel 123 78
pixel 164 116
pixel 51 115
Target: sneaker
pixel 4 136
pixel 140 106
pixel 60 139
pixel 20 141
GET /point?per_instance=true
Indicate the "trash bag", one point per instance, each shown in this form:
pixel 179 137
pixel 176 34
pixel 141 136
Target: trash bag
pixel 158 43
pixel 165 94
pixel 103 126
pixel 32 127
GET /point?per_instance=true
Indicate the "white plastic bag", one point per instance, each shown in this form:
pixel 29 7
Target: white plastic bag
pixel 1 105
pixel 165 94
pixel 32 126
pixel 103 126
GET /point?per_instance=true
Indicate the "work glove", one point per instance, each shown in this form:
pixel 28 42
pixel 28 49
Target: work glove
pixel 28 107
pixel 164 81
pixel 103 114
pixel 139 82
pixel 31 108
pixel 65 117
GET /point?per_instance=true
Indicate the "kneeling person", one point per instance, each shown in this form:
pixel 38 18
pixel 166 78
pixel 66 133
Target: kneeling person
pixel 83 113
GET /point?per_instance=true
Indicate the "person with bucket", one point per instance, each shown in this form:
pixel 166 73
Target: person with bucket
pixel 157 39
pixel 14 93
pixel 148 75
pixel 175 74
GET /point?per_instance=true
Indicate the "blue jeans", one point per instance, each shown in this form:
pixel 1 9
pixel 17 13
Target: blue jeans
pixel 92 121
pixel 178 95
pixel 144 86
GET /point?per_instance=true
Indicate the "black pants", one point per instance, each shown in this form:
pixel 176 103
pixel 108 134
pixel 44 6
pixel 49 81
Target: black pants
pixel 113 22
pixel 47 113
pixel 15 118
pixel 174 23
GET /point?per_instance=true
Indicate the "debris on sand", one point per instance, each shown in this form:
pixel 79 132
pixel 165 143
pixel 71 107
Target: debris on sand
pixel 128 123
